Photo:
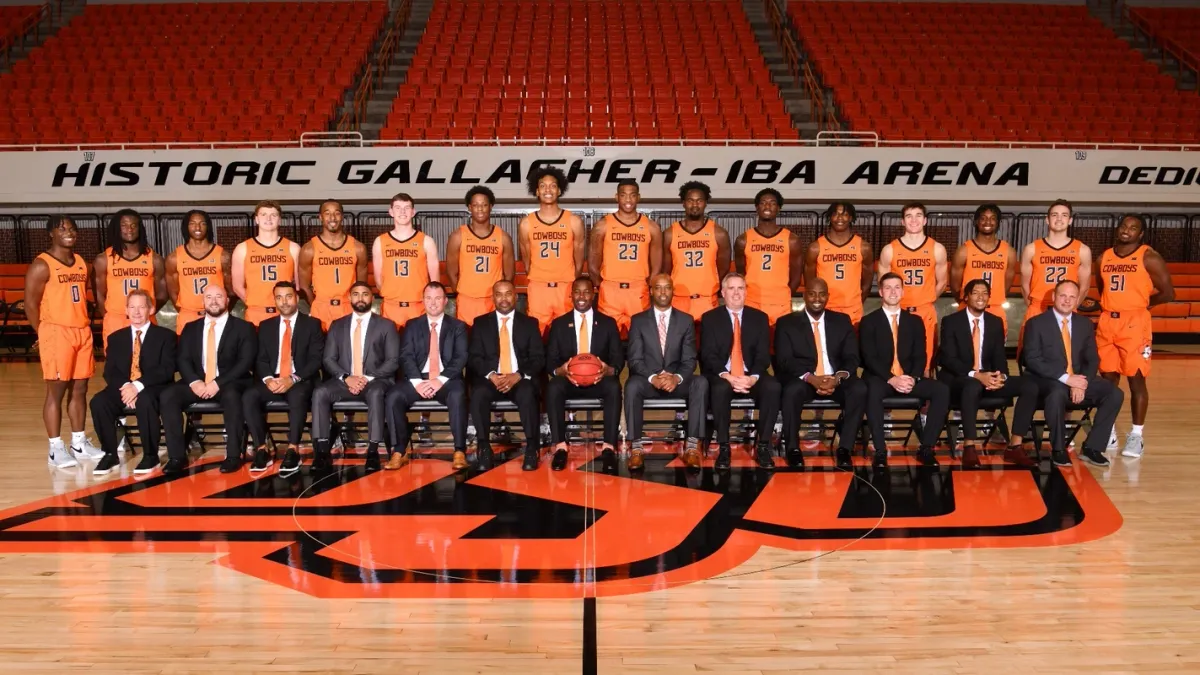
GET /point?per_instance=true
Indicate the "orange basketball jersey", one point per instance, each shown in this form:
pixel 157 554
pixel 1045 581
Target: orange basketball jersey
pixel 991 267
pixel 626 250
pixel 405 268
pixel 266 265
pixel 334 271
pixel 767 268
pixel 917 269
pixel 1125 284
pixel 694 261
pixel 64 302
pixel 552 254
pixel 480 262
pixel 126 275
pixel 195 274
pixel 1050 266
pixel 841 268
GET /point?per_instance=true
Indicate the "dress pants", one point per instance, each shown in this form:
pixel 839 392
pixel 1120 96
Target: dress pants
pixel 1104 395
pixel 298 398
pixel 968 390
pixel 107 408
pixel 851 394
pixel 638 389
pixel 403 395
pixel 765 392
pixel 332 391
pixel 179 395
pixel 608 390
pixel 937 394
pixel 524 394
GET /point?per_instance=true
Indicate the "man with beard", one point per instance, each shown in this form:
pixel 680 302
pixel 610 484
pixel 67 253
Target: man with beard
pixel 329 263
pixel 696 253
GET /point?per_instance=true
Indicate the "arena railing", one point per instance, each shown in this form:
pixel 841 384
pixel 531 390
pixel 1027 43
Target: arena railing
pixel 801 71
pixel 352 119
pixel 1184 57
pixel 31 26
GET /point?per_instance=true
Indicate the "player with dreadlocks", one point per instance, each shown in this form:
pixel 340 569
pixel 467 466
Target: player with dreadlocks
pixel 127 264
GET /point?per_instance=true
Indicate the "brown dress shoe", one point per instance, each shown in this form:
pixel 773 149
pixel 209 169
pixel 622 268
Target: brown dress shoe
pixel 635 460
pixel 1014 454
pixel 460 460
pixel 692 458
pixel 970 458
pixel 398 460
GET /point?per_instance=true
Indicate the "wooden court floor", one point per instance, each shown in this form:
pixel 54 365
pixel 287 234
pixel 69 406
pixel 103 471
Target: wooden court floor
pixel 418 571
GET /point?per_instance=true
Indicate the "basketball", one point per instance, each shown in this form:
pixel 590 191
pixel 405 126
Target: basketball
pixel 585 370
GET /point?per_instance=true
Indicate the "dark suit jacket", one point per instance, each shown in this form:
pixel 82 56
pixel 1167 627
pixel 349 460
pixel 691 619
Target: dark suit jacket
pixel 604 336
pixel 875 344
pixel 381 355
pixel 645 356
pixel 956 355
pixel 1044 353
pixel 157 359
pixel 235 351
pixel 452 347
pixel 716 341
pixel 308 347
pixel 484 348
pixel 796 345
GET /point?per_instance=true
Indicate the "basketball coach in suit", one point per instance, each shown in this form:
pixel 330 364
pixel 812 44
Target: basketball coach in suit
pixel 584 330
pixel 290 347
pixel 735 353
pixel 505 361
pixel 139 365
pixel 816 356
pixel 1060 353
pixel 972 363
pixel 662 363
pixel 892 344
pixel 433 353
pixel 215 358
pixel 362 355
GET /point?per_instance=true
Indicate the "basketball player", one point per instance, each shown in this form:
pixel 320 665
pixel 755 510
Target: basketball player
pixel 697 253
pixel 552 241
pixel 843 260
pixel 262 261
pixel 478 255
pixel 626 250
pixel 988 257
pixel 921 264
pixel 126 264
pixel 405 261
pixel 1048 261
pixel 771 258
pixel 1133 278
pixel 56 306
pixel 329 264
pixel 192 266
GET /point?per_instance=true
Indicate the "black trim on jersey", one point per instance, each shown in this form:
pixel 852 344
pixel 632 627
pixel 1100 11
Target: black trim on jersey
pixel 1123 257
pixel 211 249
pixel 848 241
pixel 623 223
pixel 74 257
pixel 702 227
pixel 402 241
pixel 561 212
pixel 1070 241
pixel 345 242
pixel 280 241
pixel 924 241
pixel 483 238
pixel 999 243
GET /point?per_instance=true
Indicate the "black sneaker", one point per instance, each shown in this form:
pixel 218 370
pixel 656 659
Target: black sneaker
pixel 724 460
pixel 322 460
pixel 373 463
pixel 106 464
pixel 559 461
pixel 262 460
pixel 1060 458
pixel 484 459
pixel 175 466
pixel 762 455
pixel 926 457
pixel 880 461
pixel 795 458
pixel 844 459
pixel 291 462
pixel 531 460
pixel 231 464
pixel 1093 457
pixel 148 464
pixel 608 462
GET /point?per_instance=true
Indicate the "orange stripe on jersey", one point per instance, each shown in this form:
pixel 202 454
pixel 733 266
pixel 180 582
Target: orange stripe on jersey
pixel 124 276
pixel 1125 283
pixel 64 302
pixel 917 269
pixel 694 261
pixel 405 268
pixel 334 270
pixel 480 262
pixel 626 250
pixel 195 274
pixel 991 267
pixel 841 269
pixel 1050 266
pixel 767 268
pixel 266 265
pixel 552 249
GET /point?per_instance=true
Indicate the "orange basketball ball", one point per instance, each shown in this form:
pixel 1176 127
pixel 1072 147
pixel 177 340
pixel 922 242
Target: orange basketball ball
pixel 585 369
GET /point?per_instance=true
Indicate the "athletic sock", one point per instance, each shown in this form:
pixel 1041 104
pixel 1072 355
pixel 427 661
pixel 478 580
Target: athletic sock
pixel 78 438
pixel 56 443
pixel 1136 430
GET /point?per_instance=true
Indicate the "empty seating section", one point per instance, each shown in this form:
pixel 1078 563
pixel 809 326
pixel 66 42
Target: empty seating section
pixel 15 20
pixel 1178 26
pixel 189 72
pixel 606 69
pixel 972 71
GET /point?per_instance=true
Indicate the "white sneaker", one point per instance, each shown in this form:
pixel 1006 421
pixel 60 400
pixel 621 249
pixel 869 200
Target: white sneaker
pixel 1114 444
pixel 87 451
pixel 1133 446
pixel 59 458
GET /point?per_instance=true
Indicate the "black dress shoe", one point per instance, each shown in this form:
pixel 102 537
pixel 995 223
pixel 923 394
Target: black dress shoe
pixel 373 463
pixel 531 460
pixel 291 462
pixel 175 466
pixel 609 465
pixel 724 460
pixel 844 460
pixel 148 464
pixel 926 457
pixel 230 464
pixel 559 461
pixel 1093 457
pixel 485 459
pixel 262 460
pixel 880 461
pixel 107 463
pixel 322 460
pixel 795 458
pixel 762 455
pixel 1060 458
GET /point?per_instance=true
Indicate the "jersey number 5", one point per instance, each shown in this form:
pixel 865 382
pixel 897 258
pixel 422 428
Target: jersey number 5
pixel 839 271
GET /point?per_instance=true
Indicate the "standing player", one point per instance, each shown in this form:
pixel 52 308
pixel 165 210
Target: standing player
pixel 988 257
pixel 771 258
pixel 1048 261
pixel 194 265
pixel 478 255
pixel 552 241
pixel 262 261
pixel 329 264
pixel 56 306
pixel 405 261
pixel 696 253
pixel 127 264
pixel 921 264
pixel 626 250
pixel 1133 278
pixel 843 260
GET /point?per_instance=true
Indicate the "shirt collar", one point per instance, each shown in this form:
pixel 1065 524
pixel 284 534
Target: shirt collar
pixel 435 321
pixel 500 316
pixel 216 319
pixel 364 316
pixel 583 316
pixel 815 319
pixel 891 312
pixel 135 329
pixel 1058 318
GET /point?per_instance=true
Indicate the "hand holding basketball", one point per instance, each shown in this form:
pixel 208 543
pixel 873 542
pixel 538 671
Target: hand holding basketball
pixel 584 370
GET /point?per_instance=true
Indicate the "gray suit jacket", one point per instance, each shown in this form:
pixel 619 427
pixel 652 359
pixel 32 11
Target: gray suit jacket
pixel 1044 354
pixel 646 358
pixel 381 358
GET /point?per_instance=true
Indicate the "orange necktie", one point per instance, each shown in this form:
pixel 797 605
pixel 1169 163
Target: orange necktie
pixel 135 369
pixel 285 352
pixel 505 348
pixel 975 341
pixel 356 356
pixel 210 353
pixel 820 355
pixel 585 347
pixel 737 367
pixel 1066 336
pixel 435 361
pixel 897 371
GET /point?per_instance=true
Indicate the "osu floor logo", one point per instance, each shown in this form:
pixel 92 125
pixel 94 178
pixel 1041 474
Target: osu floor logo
pixel 423 532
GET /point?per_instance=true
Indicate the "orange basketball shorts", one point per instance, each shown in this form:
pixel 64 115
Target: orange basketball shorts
pixel 855 312
pixel 1123 340
pixel 696 305
pixel 999 312
pixel 400 312
pixel 186 316
pixel 467 309
pixel 66 352
pixel 928 314
pixel 1030 312
pixel 773 309
pixel 328 311
pixel 111 324
pixel 547 301
pixel 621 300
pixel 257 315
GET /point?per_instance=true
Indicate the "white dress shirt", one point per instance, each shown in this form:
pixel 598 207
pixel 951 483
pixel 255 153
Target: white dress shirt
pixel 366 321
pixel 512 352
pixel 665 315
pixel 220 322
pixel 1058 320
pixel 283 321
pixel 732 315
pixel 824 343
pixel 133 330
pixel 972 320
pixel 580 320
pixel 438 324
